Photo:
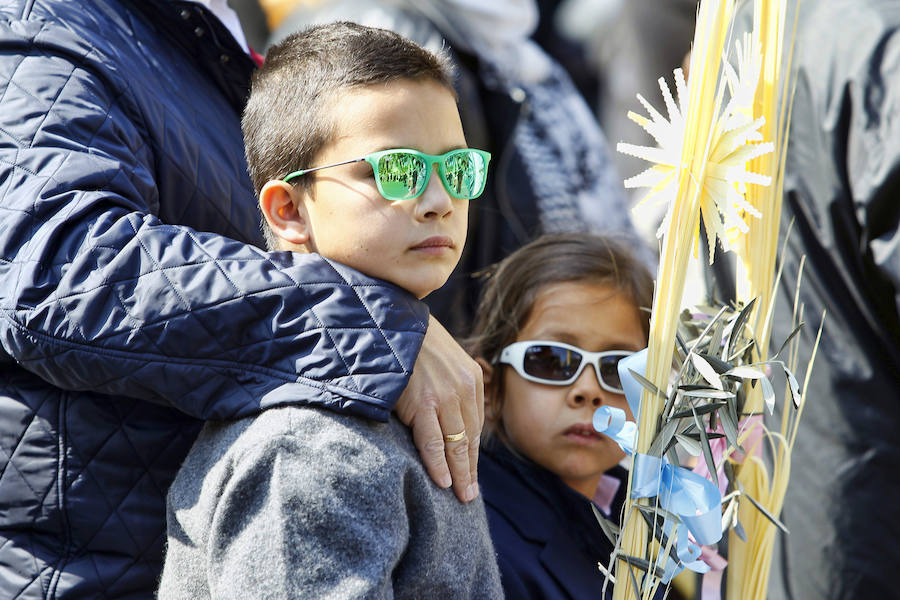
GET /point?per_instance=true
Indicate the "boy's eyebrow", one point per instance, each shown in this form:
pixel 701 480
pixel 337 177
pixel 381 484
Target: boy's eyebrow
pixel 395 147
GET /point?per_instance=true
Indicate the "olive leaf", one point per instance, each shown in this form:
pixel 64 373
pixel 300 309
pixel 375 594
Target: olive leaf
pixel 690 445
pixel 634 583
pixel 705 392
pixel 794 387
pixel 739 530
pixel 610 529
pixel 642 564
pixel 659 512
pixel 647 384
pixel 766 513
pixel 768 393
pixel 709 435
pixel 745 372
pixel 728 513
pixel 787 340
pixel 661 442
pixel 700 410
pixel 705 369
pixel 717 363
pixel 729 425
pixel 738 328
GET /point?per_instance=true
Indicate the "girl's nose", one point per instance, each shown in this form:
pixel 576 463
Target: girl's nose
pixel 586 390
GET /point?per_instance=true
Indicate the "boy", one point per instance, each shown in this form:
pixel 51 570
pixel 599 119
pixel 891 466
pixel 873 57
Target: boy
pixel 297 502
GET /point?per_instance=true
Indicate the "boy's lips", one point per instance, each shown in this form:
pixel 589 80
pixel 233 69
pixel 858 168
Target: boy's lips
pixel 434 244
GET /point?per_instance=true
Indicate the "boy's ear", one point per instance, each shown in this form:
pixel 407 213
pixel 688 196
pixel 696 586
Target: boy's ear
pixel 286 214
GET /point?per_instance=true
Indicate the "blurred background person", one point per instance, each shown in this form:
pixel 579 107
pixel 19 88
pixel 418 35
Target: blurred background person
pixel 627 45
pixel 253 22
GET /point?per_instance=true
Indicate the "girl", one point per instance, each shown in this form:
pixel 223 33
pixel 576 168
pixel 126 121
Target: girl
pixel 554 321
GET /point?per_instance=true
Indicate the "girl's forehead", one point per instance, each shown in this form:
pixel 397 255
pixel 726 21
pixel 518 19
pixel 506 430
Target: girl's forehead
pixel 559 300
pixel 586 314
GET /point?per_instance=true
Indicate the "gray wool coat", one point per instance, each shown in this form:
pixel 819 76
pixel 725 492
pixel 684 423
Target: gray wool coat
pixel 304 503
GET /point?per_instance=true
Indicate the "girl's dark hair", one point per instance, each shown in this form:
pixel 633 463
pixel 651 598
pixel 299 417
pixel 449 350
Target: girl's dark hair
pixel 287 122
pixel 510 293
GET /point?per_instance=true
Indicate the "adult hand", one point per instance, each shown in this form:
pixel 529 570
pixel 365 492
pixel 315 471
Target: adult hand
pixel 443 404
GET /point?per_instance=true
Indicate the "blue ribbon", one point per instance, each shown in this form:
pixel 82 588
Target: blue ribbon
pixel 637 362
pixel 694 499
pixel 613 423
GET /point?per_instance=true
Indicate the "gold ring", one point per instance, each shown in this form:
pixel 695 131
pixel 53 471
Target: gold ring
pixel 456 437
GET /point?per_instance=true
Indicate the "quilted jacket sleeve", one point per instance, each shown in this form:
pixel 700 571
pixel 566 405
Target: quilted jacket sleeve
pixel 97 293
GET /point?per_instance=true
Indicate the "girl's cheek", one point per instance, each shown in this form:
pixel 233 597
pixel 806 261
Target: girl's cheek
pixel 623 405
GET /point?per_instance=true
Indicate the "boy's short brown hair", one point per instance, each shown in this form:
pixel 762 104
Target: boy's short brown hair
pixel 285 122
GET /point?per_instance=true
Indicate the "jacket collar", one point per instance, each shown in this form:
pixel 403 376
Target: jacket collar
pixel 203 39
pixel 544 510
pixel 229 18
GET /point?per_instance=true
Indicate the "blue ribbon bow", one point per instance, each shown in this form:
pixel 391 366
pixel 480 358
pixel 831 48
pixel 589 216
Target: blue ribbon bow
pixel 694 499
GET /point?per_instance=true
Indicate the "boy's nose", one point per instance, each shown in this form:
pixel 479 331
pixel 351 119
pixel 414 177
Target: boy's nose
pixel 435 202
pixel 586 390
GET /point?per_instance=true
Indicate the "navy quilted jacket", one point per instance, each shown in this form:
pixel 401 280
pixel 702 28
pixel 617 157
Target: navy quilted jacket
pixel 132 303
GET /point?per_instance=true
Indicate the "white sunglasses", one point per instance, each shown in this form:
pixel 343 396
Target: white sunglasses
pixel 555 363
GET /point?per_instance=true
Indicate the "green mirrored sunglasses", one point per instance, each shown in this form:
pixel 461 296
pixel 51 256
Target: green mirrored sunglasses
pixel 403 174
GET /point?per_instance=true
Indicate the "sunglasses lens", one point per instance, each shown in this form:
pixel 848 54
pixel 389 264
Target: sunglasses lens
pixel 464 174
pixel 401 175
pixel 551 362
pixel 609 371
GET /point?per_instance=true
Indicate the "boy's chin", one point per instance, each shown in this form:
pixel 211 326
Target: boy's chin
pixel 422 294
pixel 419 289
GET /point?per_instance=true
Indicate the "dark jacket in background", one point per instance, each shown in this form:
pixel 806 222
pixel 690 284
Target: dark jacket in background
pixel 842 191
pixel 132 301
pixel 547 538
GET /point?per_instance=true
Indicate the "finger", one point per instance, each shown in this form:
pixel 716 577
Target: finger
pixel 473 417
pixel 474 445
pixel 479 394
pixel 429 441
pixel 457 451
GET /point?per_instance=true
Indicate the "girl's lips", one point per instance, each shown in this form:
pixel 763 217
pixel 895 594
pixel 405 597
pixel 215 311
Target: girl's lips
pixel 582 433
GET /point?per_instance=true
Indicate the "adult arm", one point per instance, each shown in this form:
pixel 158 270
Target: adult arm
pixel 99 293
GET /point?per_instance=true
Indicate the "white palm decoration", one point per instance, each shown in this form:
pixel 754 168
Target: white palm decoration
pixel 734 142
pixel 708 153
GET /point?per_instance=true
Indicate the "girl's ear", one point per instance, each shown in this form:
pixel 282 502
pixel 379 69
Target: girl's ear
pixel 488 370
pixel 286 214
pixel 491 402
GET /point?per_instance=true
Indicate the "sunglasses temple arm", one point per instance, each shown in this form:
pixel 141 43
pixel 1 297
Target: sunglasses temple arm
pixel 338 164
